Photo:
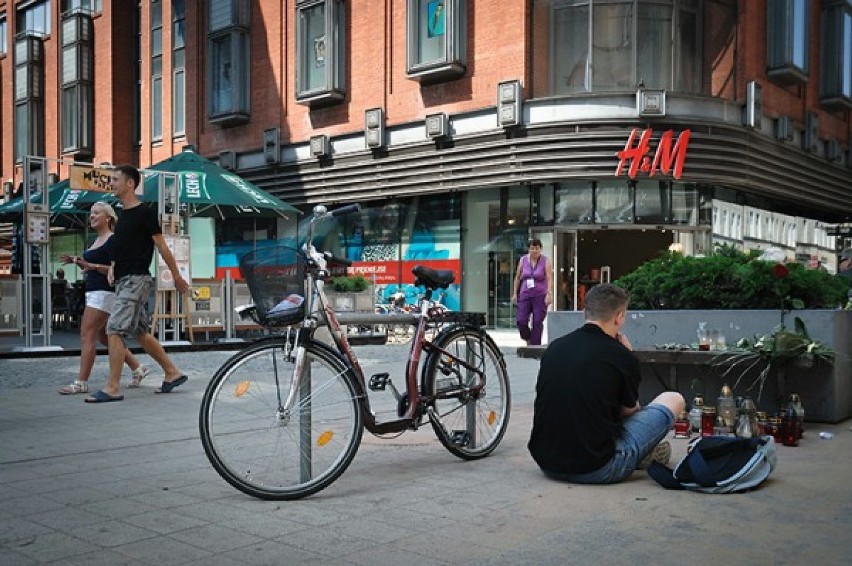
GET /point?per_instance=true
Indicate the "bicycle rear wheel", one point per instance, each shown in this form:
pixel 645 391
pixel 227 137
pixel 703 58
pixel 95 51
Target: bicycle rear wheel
pixel 469 425
pixel 268 452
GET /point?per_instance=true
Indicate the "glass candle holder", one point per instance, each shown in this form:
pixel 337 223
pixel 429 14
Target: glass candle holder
pixel 708 421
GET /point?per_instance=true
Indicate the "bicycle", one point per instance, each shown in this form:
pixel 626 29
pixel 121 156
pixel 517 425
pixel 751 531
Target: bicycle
pixel 283 418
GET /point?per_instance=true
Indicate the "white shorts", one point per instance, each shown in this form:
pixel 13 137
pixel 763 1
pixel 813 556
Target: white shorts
pixel 101 300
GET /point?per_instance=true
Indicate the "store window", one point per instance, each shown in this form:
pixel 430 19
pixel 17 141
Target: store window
pixel 178 67
pixel 836 55
pixel 320 51
pixel 616 45
pixel 575 203
pixel 33 18
pixel 788 22
pixel 78 121
pixel 437 38
pixel 653 202
pixel 156 70
pixel 29 96
pixel 228 61
pixel 613 202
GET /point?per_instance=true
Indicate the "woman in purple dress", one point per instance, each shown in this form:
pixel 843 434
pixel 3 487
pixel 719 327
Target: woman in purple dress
pixel 533 292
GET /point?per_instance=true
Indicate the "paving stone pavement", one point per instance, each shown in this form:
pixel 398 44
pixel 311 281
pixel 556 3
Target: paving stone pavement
pixel 128 483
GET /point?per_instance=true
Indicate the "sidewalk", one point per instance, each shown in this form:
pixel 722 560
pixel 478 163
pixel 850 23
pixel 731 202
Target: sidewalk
pixel 128 483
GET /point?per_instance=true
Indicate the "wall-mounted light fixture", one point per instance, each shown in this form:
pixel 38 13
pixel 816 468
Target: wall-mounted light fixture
pixel 651 102
pixel 509 103
pixel 228 160
pixel 272 145
pixel 320 145
pixel 437 125
pixel 374 128
pixel 753 110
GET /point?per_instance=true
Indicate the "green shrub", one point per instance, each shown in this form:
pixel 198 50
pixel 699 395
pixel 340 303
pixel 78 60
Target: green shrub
pixel 729 279
pixel 349 284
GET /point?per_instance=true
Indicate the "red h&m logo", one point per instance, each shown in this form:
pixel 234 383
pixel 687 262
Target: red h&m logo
pixel 665 157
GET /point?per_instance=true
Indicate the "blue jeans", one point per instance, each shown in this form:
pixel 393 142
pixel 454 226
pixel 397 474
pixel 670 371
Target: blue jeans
pixel 640 433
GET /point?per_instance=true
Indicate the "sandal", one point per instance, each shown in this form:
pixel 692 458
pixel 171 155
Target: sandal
pixel 75 388
pixel 139 374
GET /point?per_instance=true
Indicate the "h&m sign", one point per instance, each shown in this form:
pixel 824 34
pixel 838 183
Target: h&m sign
pixel 669 156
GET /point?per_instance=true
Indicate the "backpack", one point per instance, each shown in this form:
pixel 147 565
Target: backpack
pixel 719 464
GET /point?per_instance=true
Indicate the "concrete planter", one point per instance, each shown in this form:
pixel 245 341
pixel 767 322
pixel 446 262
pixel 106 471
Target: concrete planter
pixel 826 389
pixel 351 302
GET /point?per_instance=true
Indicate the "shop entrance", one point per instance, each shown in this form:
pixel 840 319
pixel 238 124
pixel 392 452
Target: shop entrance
pixel 584 258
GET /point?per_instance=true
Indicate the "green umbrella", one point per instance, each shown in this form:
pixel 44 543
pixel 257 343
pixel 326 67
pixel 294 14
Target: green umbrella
pixel 69 206
pixel 210 190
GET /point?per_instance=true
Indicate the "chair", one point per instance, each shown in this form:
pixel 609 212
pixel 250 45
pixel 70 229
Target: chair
pixel 59 305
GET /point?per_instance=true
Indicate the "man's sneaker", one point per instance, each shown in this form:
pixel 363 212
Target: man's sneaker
pixel 661 453
pixel 139 374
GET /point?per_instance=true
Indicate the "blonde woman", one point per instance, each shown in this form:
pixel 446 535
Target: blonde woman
pixel 100 296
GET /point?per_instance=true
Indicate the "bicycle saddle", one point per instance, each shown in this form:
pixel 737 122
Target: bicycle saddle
pixel 432 278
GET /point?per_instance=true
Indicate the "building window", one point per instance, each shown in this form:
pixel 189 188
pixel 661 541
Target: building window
pixel 836 56
pixel 582 46
pixel 29 97
pixel 437 38
pixel 34 18
pixel 787 24
pixel 3 34
pixel 87 5
pixel 77 84
pixel 156 70
pixel 228 62
pixel 178 68
pixel 320 51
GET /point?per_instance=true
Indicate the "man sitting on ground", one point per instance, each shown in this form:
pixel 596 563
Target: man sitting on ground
pixel 588 424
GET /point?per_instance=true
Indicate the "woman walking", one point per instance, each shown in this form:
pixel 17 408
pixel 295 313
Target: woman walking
pixel 100 296
pixel 533 292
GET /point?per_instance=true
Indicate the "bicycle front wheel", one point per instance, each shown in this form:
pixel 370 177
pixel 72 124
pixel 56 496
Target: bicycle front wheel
pixel 267 450
pixel 469 425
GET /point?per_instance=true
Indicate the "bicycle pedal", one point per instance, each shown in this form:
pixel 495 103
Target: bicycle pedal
pixel 460 438
pixel 379 381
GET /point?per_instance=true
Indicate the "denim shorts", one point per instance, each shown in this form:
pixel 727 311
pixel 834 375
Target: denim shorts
pixel 129 316
pixel 640 433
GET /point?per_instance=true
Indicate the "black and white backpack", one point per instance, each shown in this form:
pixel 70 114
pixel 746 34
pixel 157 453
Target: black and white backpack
pixel 720 464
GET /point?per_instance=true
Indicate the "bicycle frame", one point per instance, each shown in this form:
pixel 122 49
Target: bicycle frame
pixel 319 309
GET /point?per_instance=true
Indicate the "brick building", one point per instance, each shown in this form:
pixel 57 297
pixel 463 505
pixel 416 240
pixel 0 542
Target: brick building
pixel 463 127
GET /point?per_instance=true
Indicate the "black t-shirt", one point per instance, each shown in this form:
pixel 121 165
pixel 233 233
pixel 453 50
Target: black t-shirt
pixel 95 280
pixel 134 246
pixel 584 380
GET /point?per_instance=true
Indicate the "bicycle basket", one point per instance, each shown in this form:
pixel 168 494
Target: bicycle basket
pixel 275 278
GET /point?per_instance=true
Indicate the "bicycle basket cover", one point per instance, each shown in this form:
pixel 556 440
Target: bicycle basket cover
pixel 276 283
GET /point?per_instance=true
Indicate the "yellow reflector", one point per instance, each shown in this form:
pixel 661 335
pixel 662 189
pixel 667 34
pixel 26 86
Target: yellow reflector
pixel 241 388
pixel 324 438
pixel 492 416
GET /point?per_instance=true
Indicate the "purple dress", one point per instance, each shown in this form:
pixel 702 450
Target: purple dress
pixel 531 299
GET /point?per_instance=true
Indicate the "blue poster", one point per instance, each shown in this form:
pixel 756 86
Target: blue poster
pixel 435 10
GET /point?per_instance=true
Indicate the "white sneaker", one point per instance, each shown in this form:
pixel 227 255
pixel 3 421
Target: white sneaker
pixel 139 374
pixel 661 453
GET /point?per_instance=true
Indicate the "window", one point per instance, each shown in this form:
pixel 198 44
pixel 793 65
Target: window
pixel 228 62
pixel 77 84
pixel 29 97
pixel 87 5
pixel 3 35
pixel 787 40
pixel 614 45
pixel 34 17
pixel 156 70
pixel 320 51
pixel 436 39
pixel 653 203
pixel 178 68
pixel 836 55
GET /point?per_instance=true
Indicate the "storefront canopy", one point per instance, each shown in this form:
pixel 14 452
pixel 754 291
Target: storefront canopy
pixel 209 190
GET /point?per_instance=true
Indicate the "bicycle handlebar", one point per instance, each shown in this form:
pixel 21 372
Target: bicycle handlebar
pixel 334 260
